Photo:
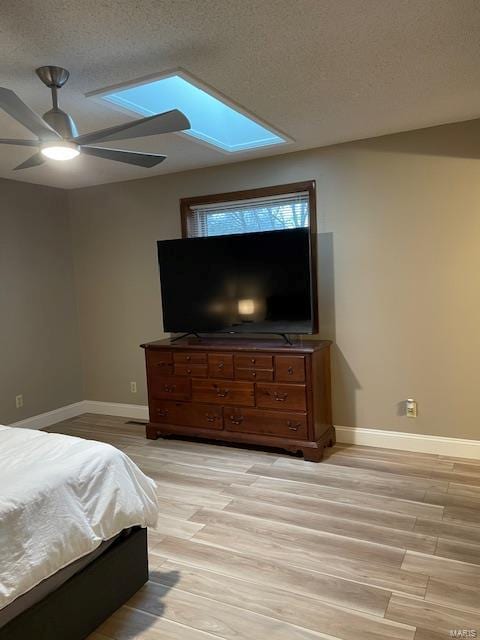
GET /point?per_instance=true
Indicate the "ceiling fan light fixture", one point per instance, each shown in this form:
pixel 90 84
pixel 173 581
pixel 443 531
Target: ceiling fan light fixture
pixel 61 150
pixel 57 136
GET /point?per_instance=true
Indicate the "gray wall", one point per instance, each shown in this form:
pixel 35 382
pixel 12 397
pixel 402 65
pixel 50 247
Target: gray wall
pixel 399 272
pixel 39 349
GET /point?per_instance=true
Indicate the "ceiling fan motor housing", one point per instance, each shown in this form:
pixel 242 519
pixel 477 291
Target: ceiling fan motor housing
pixel 55 78
pixel 61 122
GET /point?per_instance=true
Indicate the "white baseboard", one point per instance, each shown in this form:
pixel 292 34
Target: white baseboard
pixel 135 411
pixel 51 417
pixel 439 445
pixel 418 443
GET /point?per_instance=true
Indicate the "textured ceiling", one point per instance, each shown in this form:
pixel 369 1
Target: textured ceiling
pixel 322 71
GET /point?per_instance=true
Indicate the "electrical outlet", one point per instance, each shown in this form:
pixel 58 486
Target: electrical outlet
pixel 411 408
pixel 133 387
pixel 19 401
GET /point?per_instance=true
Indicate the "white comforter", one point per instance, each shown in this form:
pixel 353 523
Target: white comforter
pixel 60 497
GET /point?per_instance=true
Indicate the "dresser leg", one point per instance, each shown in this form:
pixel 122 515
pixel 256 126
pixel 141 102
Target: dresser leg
pixel 331 438
pixel 316 454
pixel 151 433
pixel 313 455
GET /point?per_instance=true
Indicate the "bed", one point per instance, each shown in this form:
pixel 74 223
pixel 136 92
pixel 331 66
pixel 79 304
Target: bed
pixel 73 544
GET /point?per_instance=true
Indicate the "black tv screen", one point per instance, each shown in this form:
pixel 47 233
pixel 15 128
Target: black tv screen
pixel 245 283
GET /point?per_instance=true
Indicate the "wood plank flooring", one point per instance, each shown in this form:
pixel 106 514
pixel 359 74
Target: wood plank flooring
pixel 253 545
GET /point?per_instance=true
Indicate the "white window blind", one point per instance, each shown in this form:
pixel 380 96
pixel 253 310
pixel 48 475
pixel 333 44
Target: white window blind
pixel 287 211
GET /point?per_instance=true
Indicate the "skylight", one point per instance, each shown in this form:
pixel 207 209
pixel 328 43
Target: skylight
pixel 212 120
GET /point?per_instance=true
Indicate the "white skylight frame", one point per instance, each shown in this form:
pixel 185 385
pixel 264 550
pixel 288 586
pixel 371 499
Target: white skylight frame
pixel 98 94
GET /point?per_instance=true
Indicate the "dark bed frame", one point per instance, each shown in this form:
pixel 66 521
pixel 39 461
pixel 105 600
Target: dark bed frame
pixel 89 597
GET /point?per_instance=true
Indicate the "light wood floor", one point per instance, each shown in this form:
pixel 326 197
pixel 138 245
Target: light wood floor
pixel 370 544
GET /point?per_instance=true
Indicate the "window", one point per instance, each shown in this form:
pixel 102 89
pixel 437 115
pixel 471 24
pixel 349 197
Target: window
pixel 212 119
pixel 268 209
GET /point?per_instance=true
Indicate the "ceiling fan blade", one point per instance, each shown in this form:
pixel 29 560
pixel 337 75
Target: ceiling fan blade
pixel 167 122
pixel 146 160
pixel 11 103
pixel 20 143
pixel 34 161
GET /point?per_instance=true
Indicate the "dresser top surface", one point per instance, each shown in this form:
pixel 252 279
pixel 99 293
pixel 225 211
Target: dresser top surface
pixel 239 344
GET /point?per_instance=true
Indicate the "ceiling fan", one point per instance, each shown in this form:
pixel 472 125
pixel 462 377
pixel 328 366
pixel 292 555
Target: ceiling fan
pixel 58 138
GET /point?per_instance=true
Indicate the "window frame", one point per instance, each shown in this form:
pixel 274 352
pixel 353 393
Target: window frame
pixel 187 204
pixel 309 186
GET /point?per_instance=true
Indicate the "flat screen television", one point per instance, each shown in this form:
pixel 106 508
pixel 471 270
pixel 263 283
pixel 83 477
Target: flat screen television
pixel 245 283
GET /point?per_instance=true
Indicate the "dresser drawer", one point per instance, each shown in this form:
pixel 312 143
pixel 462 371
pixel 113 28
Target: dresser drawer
pixel 159 362
pixel 254 374
pixel 253 361
pixel 270 423
pixel 187 414
pixel 190 357
pixel 223 392
pixel 281 396
pixel 290 368
pixel 195 370
pixel 169 387
pixel 220 365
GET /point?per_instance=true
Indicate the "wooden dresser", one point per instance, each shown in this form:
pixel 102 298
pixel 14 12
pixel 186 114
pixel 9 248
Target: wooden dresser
pixel 260 392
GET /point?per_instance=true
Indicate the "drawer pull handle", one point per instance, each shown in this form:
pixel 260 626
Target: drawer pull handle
pixel 189 371
pixel 162 364
pixel 253 360
pixel 210 418
pixel 294 426
pixel 254 375
pixel 290 371
pixel 221 365
pixel 280 397
pixel 221 393
pixel 163 413
pixel 188 358
pixel 236 419
pixel 169 388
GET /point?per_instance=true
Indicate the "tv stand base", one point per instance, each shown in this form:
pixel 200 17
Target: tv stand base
pixel 240 333
pixel 185 335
